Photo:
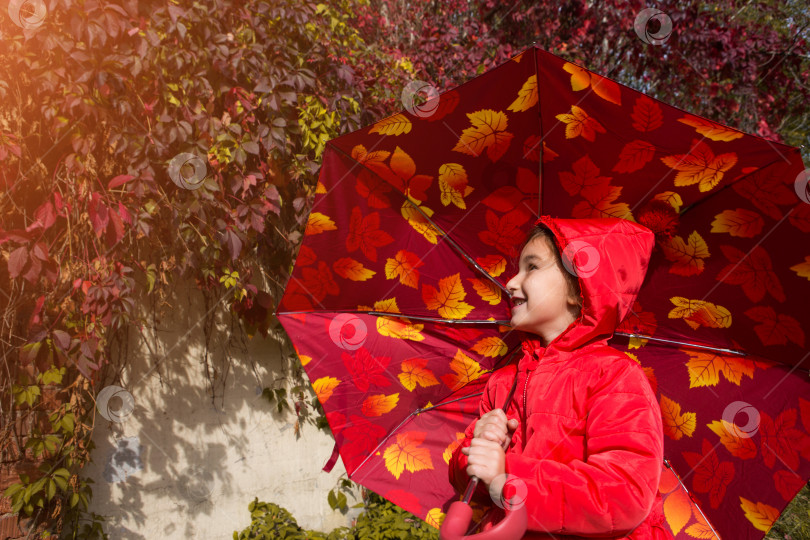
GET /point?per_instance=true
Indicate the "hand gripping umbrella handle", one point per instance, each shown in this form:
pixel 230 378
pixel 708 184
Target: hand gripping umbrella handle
pixel 458 517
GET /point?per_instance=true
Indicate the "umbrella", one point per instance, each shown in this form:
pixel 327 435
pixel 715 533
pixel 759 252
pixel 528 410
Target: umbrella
pixel 397 306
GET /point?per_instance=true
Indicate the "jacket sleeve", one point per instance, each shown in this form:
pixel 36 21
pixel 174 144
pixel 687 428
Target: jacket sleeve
pixel 612 491
pixel 457 470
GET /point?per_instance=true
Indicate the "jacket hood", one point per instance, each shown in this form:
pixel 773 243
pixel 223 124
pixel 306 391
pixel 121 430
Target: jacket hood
pixel 610 257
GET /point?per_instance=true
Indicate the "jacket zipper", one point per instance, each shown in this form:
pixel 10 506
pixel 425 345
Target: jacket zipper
pixel 526 387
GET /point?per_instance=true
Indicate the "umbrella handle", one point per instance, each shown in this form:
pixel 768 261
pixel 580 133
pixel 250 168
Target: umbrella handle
pixel 458 518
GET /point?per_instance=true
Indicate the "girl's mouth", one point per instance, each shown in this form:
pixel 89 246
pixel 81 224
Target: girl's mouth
pixel 518 302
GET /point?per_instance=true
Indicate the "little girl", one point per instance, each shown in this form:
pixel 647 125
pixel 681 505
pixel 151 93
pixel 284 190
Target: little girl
pixel 583 428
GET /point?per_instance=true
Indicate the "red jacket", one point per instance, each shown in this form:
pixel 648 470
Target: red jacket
pixel 590 443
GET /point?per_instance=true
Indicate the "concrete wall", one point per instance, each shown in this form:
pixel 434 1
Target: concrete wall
pixel 200 442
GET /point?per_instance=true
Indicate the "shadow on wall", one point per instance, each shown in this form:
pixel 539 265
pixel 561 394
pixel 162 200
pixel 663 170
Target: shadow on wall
pixel 185 441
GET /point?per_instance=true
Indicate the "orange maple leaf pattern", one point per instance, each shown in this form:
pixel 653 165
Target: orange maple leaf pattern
pixel 700 166
pixel 495 265
pixel 448 452
pixel 705 368
pixel 578 123
pixel 676 424
pixel 406 453
pixel 448 299
pixel 602 87
pixel 698 313
pixel 487 290
pixel 710 130
pixel 396 124
pixel 415 372
pixel 324 387
pixel 488 132
pixel 761 515
pixel 379 404
pixel 491 346
pixel 348 268
pixel 527 96
pixel 465 370
pixel 453 185
pixel 404 266
pixel 318 223
pixel 687 256
pixel 738 443
pixel 803 268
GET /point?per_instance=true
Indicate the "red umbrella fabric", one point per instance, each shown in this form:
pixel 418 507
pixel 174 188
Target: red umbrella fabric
pixel 396 303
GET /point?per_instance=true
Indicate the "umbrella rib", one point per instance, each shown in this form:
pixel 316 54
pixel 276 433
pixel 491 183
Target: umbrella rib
pixel 666 462
pixel 444 233
pixel 401 316
pixel 688 344
pixel 420 410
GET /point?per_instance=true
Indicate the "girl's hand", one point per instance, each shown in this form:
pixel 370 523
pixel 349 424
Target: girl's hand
pixel 485 459
pixel 493 426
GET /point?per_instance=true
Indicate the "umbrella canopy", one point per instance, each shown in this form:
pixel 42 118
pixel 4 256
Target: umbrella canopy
pixel 398 310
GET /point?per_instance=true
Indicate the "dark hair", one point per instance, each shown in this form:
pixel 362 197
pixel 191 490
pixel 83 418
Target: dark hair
pixel 541 231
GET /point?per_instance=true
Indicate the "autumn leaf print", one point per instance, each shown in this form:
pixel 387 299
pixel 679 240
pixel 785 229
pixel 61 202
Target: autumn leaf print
pixel 634 156
pixel 415 372
pixel 579 123
pixel 676 424
pixel 491 346
pixel 647 115
pixel 761 515
pixel 780 438
pixel 600 202
pixel 448 452
pixel 374 189
pixel 318 223
pixel 365 234
pixel 504 233
pixel 766 189
pixel 487 290
pixel 740 222
pixel 699 313
pixel 711 475
pixel 379 404
pixel 396 124
pixel 753 271
pixel 687 256
pixel 404 266
pixel 700 166
pixel 584 174
pixel 738 443
pixel 365 369
pixel 488 132
pixel 453 185
pixel 465 370
pixel 527 96
pixel 406 453
pixel 348 268
pixel 802 268
pixel 776 329
pixel 602 87
pixel 421 224
pixel 495 265
pixel 435 517
pixel 710 130
pixel 448 298
pixel 324 387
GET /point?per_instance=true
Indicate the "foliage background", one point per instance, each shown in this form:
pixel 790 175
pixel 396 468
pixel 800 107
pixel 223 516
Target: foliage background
pixel 98 99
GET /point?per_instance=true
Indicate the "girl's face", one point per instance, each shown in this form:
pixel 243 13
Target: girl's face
pixel 541 303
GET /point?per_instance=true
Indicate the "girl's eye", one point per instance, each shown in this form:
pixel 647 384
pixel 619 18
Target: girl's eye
pixel 532 267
